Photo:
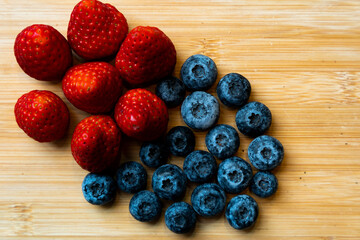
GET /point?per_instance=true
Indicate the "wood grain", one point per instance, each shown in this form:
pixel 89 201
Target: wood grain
pixel 303 61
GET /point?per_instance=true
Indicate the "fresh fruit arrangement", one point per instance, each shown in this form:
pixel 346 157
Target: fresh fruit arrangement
pixel 99 32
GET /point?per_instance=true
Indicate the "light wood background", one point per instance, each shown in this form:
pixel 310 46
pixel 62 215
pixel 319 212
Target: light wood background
pixel 303 61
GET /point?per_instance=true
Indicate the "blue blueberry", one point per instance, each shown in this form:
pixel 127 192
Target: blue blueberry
pixel 131 177
pixel 198 73
pixel 264 184
pixel 253 119
pixel 222 141
pixel 154 154
pixel 180 217
pixel 200 110
pixel 145 206
pixel 169 182
pixel 200 166
pixel 99 189
pixel 180 141
pixel 233 90
pixel 208 199
pixel 171 90
pixel 265 153
pixel 234 175
pixel 242 211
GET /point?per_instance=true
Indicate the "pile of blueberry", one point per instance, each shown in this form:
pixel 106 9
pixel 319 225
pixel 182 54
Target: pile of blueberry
pixel 200 111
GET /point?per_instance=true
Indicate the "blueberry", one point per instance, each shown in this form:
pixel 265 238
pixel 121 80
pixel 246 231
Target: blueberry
pixel 265 153
pixel 200 110
pixel 180 141
pixel 234 175
pixel 131 177
pixel 242 211
pixel 169 182
pixel 145 206
pixel 198 73
pixel 233 90
pixel 180 217
pixel 200 166
pixel 222 141
pixel 264 184
pixel 154 154
pixel 208 199
pixel 98 189
pixel 171 90
pixel 253 119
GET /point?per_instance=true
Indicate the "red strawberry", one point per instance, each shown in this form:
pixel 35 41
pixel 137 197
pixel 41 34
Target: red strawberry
pixel 96 30
pixel 141 114
pixel 42 115
pixel 146 55
pixel 42 52
pixel 95 143
pixel 93 87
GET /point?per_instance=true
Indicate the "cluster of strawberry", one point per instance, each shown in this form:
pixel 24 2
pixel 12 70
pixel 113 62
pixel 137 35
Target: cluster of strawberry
pixel 96 32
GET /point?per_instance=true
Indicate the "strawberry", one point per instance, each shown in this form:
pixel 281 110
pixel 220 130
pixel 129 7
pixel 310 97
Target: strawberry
pixel 93 87
pixel 141 114
pixel 42 115
pixel 146 55
pixel 95 144
pixel 42 52
pixel 96 30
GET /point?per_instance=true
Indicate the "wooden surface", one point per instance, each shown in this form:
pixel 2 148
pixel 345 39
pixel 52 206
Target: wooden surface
pixel 303 61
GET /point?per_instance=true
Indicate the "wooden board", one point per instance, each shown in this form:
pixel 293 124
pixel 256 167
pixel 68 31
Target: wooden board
pixel 303 61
